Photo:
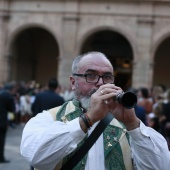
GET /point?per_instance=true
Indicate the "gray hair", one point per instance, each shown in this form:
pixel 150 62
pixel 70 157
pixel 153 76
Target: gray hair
pixel 76 61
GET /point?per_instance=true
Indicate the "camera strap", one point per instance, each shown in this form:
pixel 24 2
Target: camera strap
pixel 76 158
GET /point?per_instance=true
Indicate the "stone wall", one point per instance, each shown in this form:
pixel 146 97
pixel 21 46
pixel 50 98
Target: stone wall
pixel 145 24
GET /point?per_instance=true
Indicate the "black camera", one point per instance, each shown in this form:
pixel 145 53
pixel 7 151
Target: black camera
pixel 127 99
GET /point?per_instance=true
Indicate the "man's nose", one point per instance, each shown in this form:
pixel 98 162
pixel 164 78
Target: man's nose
pixel 100 82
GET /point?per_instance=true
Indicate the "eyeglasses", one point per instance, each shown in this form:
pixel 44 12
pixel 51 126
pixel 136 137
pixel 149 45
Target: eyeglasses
pixel 93 78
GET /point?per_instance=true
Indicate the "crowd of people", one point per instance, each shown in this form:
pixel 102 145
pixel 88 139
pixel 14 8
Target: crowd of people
pixel 153 106
pixel 156 105
pixel 31 98
pixel 19 102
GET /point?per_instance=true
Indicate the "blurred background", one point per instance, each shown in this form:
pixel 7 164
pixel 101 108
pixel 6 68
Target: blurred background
pixel 40 38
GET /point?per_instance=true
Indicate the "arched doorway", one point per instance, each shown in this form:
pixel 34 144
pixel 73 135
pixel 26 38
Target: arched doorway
pixel 116 47
pixel 161 64
pixel 34 56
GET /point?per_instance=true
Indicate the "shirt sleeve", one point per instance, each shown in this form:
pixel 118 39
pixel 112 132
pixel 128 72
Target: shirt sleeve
pixel 149 149
pixel 46 142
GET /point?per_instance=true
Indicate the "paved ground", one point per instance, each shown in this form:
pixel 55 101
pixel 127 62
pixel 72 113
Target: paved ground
pixel 12 152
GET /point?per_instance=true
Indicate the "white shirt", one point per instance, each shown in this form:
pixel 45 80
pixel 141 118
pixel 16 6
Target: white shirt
pixel 45 142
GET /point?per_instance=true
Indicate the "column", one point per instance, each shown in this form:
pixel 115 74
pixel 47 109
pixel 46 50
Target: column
pixel 70 24
pixel 143 63
pixel 4 18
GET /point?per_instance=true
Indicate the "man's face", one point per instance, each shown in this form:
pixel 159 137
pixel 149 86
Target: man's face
pixel 89 65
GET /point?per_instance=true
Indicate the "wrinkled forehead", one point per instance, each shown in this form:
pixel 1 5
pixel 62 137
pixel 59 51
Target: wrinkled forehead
pixel 95 62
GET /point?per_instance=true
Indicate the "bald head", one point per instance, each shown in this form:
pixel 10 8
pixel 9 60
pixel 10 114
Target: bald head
pixel 89 58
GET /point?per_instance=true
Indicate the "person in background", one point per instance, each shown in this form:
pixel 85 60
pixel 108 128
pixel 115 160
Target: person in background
pixel 167 133
pixel 144 100
pixel 166 114
pixel 7 104
pixel 48 98
pixel 157 93
pixel 66 93
pixel 139 110
pixel 25 106
pixel 153 121
pixel 49 138
pixel 166 106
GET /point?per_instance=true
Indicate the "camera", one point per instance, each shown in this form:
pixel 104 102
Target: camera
pixel 127 99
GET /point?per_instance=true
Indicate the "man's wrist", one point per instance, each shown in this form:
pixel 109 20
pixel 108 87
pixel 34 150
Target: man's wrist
pixel 133 125
pixel 83 125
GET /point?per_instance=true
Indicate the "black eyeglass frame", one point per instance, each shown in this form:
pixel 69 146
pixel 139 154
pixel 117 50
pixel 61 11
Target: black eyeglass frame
pixel 85 75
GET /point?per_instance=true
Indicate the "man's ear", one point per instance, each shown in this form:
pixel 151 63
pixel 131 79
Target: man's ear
pixel 72 82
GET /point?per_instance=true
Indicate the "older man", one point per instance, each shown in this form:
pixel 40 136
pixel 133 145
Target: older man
pixel 50 137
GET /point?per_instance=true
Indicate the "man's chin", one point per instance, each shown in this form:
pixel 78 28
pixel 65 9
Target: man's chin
pixel 85 102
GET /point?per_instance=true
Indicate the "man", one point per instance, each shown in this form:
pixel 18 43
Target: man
pixel 50 137
pixel 48 98
pixel 7 104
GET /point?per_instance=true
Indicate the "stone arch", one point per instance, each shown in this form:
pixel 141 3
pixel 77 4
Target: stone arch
pixel 25 26
pixel 123 73
pixel 38 64
pixel 124 32
pixel 159 38
pixel 161 59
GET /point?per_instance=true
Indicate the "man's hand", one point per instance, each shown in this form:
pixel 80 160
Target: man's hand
pixel 102 102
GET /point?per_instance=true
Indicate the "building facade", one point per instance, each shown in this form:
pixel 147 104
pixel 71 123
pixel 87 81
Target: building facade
pixel 40 38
